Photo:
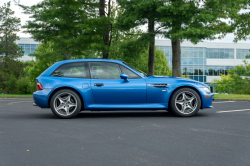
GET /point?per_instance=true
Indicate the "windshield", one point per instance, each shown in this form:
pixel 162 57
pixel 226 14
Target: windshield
pixel 139 71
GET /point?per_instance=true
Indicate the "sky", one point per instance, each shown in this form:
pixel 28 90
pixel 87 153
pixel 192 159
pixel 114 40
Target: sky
pixel 24 17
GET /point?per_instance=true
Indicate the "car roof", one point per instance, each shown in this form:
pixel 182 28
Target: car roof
pixel 88 60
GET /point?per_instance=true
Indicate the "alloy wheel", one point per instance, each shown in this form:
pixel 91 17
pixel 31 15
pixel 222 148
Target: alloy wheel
pixel 65 104
pixel 186 102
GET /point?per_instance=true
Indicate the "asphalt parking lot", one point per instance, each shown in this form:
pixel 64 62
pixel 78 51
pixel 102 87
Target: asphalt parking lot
pixel 33 136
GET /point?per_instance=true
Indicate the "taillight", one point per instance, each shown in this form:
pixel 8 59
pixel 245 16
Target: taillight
pixel 39 86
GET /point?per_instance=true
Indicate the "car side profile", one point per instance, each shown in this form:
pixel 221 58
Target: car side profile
pixel 71 86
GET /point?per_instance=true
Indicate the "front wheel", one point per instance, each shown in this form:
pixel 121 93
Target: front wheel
pixel 185 102
pixel 65 104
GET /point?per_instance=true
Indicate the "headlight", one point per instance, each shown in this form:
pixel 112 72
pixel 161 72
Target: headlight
pixel 207 89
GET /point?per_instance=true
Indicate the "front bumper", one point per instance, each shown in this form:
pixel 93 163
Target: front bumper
pixel 207 101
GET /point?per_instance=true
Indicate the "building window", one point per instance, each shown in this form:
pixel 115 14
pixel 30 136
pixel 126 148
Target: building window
pixel 28 48
pixel 241 53
pixel 218 70
pixel 219 53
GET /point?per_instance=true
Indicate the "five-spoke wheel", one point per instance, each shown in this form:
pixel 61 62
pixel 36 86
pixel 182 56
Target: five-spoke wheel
pixel 65 104
pixel 185 102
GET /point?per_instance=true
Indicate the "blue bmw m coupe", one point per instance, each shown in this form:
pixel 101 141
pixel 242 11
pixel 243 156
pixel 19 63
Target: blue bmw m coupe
pixel 71 86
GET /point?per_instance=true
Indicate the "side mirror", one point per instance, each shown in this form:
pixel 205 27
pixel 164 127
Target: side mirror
pixel 124 76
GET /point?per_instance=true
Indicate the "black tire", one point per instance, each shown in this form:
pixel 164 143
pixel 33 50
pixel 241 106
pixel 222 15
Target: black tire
pixel 67 109
pixel 191 108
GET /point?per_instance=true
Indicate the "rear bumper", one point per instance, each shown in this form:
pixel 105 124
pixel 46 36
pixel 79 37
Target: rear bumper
pixel 41 98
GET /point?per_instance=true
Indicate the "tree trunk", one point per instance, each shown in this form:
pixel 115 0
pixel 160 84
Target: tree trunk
pixel 151 56
pixel 176 58
pixel 106 39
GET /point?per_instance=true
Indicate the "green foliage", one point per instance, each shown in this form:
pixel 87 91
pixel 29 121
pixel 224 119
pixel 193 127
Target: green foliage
pixel 236 82
pixel 11 70
pixel 10 67
pixel 19 86
pixel 25 86
pixel 161 64
pixel 196 20
pixel 9 26
pixel 137 13
pixel 133 50
pixel 11 84
pixel 69 26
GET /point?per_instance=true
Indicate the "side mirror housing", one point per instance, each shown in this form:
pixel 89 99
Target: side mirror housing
pixel 124 76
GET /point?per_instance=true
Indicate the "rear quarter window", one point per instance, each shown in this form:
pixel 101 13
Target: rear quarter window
pixel 73 70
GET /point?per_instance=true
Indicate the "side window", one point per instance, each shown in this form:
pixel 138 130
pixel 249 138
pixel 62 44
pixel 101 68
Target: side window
pixel 74 70
pixel 104 70
pixel 131 75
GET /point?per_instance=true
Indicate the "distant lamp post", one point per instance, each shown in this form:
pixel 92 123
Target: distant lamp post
pixel 185 72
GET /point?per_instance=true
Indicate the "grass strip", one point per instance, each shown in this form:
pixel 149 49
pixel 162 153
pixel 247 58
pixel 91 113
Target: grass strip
pixel 232 96
pixel 15 95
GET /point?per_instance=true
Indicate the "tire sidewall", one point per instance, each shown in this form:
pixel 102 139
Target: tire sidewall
pixel 172 102
pixel 78 108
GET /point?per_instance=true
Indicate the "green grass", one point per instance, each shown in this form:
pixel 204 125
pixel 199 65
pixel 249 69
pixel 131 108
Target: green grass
pixel 15 95
pixel 232 96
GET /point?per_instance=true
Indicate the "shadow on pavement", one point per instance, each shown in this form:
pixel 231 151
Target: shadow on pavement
pixel 96 114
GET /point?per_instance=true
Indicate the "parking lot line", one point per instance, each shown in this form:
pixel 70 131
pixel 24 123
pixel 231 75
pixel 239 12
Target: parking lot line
pixel 224 102
pixel 22 102
pixel 233 111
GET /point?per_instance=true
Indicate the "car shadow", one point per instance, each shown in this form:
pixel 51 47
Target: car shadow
pixel 101 114
pixel 129 114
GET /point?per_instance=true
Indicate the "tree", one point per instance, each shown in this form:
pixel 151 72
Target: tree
pixel 241 23
pixel 195 20
pixel 9 26
pixel 107 19
pixel 73 26
pixel 133 49
pixel 137 13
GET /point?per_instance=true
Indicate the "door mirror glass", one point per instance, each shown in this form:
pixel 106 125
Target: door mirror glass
pixel 124 76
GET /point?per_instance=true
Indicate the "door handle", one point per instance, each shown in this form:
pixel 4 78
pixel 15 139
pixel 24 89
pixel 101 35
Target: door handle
pixel 99 84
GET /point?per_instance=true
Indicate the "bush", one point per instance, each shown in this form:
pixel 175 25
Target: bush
pixel 24 86
pixel 236 82
pixel 11 84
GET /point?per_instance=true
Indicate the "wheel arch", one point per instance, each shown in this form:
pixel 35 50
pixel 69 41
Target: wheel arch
pixel 66 87
pixel 186 86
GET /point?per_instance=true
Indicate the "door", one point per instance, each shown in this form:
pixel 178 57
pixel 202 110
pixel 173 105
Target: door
pixel 109 88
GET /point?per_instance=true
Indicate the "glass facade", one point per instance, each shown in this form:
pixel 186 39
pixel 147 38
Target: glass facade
pixel 194 59
pixel 217 70
pixel 220 53
pixel 28 48
pixel 241 53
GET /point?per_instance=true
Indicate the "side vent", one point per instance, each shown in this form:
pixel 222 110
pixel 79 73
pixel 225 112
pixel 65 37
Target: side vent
pixel 160 85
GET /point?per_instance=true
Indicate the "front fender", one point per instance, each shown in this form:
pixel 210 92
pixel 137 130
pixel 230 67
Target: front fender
pixel 206 102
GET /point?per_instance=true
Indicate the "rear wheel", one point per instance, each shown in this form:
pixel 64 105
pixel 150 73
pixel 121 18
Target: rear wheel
pixel 185 102
pixel 65 104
